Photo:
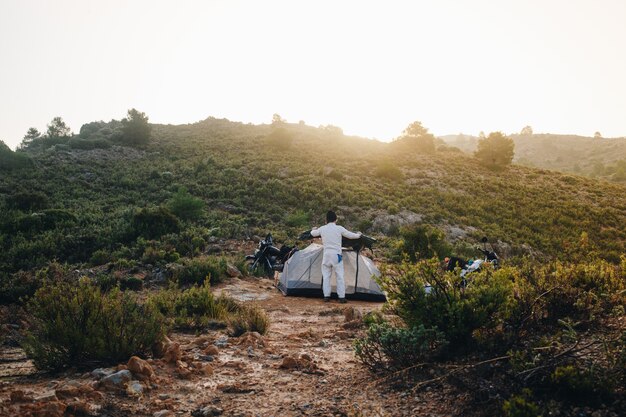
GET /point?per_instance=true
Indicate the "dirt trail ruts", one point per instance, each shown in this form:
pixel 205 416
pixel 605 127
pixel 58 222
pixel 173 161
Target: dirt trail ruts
pixel 252 377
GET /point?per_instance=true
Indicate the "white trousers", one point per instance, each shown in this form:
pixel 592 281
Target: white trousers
pixel 332 262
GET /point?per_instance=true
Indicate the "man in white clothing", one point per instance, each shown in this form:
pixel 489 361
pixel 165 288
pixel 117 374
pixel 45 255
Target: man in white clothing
pixel 331 235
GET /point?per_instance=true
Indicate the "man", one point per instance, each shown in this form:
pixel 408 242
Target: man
pixel 331 235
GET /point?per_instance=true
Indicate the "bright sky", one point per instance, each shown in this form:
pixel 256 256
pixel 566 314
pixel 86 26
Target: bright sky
pixel 369 67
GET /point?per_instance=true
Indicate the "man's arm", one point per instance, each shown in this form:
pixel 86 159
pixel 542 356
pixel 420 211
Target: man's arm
pixel 315 232
pixel 348 234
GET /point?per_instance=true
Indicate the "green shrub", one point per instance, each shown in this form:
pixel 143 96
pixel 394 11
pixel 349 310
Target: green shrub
pixel 26 201
pixel 387 348
pixel 77 324
pixel 185 206
pixel 131 283
pixel 421 241
pixel 521 406
pixel 154 223
pixel 249 319
pixel 460 315
pixel 298 218
pixel 100 257
pixel 193 308
pixel 195 271
pixel 18 286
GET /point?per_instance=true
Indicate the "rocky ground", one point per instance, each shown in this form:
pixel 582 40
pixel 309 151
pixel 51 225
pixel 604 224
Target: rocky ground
pixel 304 366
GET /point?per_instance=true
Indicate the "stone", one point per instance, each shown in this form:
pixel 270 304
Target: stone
pixel 172 353
pixel 46 396
pixel 351 314
pixel 221 342
pixel 289 363
pixel 117 381
pixel 140 368
pixel 19 396
pixel 164 413
pixel 232 271
pixel 134 389
pixel 208 411
pixel 208 369
pixel 79 407
pixel 211 350
pixel 100 373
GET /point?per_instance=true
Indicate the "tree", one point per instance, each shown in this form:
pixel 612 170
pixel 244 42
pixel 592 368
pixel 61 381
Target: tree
pixel 277 120
pixel 135 128
pixel 526 131
pixel 416 137
pixel 597 135
pixel 30 136
pixel 496 150
pixel 57 129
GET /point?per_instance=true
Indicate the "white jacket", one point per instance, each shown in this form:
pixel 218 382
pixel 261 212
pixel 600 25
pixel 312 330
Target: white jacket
pixel 331 237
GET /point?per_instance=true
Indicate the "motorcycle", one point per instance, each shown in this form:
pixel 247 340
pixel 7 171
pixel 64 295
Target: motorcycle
pixel 489 256
pixel 268 257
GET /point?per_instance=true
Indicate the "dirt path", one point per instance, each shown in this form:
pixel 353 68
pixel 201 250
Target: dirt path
pixel 304 366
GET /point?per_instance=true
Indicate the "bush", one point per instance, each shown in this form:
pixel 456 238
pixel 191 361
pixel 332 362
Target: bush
pixel 15 287
pixel 463 316
pixel 185 206
pixel 421 241
pixel 387 348
pixel 154 223
pixel 521 406
pixel 249 319
pixel 194 308
pixel 26 201
pixel 195 271
pixel 77 325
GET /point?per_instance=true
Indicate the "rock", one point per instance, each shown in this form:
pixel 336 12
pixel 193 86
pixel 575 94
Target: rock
pixel 221 342
pixel 47 396
pixel 102 372
pixel 207 369
pixel 19 396
pixel 80 408
pixel 134 389
pixel 289 363
pixel 206 358
pixel 164 413
pixel 140 368
pixel 211 350
pixel 354 324
pixel 208 411
pixel 201 340
pixel 252 339
pixel 306 357
pixel 172 353
pixel 351 314
pixel 117 381
pixel 69 389
pixel 232 271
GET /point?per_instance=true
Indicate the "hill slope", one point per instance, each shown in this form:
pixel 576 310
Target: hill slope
pixel 250 185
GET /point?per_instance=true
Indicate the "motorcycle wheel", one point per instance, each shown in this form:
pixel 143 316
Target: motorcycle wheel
pixel 258 269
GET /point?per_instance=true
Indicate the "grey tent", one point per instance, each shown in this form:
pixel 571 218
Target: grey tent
pixel 302 275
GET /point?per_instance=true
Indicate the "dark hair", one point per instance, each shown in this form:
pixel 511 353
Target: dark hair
pixel 331 216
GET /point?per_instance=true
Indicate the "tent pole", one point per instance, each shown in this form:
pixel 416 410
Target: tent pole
pixel 356 278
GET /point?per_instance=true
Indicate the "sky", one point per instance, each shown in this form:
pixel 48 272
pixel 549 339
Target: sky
pixel 369 67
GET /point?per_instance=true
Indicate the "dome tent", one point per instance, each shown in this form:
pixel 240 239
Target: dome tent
pixel 302 275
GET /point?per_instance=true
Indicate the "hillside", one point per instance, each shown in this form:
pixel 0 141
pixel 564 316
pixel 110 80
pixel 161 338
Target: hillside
pixel 592 157
pixel 84 200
